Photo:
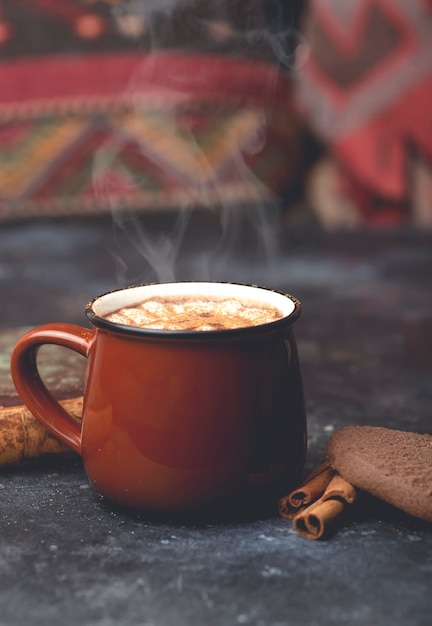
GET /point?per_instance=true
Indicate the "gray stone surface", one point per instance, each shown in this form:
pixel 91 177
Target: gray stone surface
pixel 67 556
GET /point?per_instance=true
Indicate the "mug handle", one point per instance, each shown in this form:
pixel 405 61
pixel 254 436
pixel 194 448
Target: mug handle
pixel 30 387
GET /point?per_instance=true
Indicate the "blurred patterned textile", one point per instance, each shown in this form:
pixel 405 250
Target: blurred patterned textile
pixel 365 87
pixel 144 104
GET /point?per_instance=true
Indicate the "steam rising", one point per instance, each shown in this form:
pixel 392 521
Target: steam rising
pixel 248 199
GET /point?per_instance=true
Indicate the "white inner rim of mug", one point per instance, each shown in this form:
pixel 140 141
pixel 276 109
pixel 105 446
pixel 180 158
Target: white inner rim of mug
pixel 130 296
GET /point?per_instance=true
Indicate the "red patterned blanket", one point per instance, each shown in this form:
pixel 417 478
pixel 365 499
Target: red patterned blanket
pixel 98 111
pixel 365 85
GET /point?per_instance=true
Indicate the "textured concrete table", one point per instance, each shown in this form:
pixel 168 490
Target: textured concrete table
pixel 365 343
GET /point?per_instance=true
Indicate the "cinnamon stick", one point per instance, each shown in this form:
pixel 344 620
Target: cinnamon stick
pixel 23 437
pixel 310 490
pixel 316 520
pixel 338 487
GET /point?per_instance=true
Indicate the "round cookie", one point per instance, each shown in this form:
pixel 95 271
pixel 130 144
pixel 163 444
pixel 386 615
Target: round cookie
pixel 393 465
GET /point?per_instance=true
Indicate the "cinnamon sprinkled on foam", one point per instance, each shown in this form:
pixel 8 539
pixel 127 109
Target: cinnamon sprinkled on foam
pixel 194 313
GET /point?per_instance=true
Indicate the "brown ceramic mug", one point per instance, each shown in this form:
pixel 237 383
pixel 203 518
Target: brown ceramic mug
pixel 175 418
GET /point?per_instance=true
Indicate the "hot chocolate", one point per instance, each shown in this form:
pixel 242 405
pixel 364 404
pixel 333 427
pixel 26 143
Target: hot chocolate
pixel 195 313
pixel 173 421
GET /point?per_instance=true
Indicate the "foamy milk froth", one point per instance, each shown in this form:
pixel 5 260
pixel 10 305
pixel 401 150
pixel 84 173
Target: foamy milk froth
pixel 195 313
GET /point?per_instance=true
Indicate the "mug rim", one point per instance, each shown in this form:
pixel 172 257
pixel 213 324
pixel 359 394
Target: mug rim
pixel 100 322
